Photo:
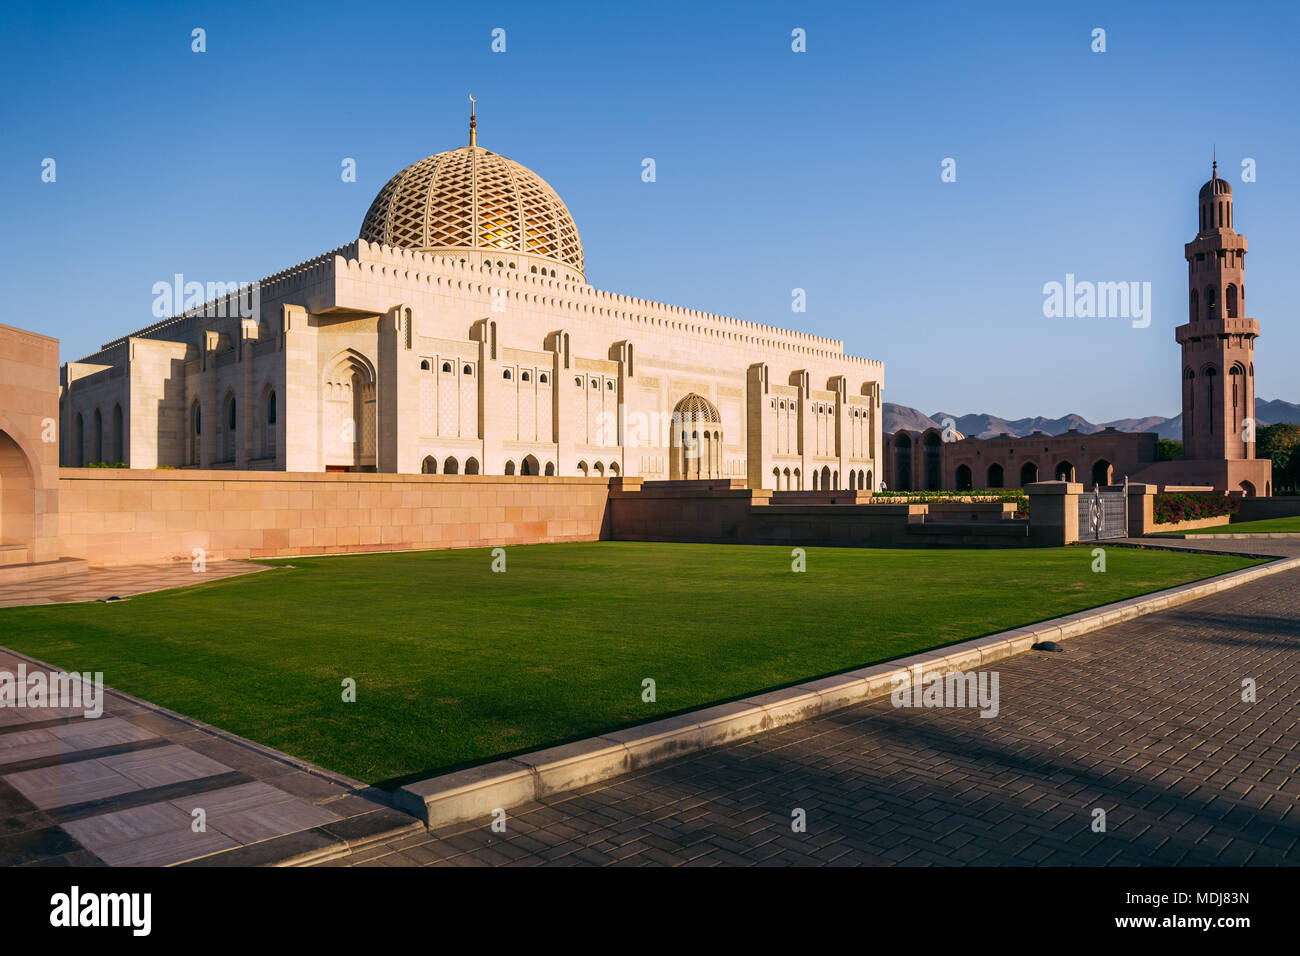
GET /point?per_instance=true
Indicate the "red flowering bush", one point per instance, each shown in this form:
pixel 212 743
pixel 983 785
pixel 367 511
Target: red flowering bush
pixel 1174 506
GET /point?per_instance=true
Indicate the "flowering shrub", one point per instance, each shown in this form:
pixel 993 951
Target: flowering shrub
pixel 1175 506
pixel 925 497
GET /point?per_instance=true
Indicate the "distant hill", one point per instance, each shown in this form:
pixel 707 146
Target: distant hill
pixel 990 426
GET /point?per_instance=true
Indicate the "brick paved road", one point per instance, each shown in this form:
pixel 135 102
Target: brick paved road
pixel 1144 720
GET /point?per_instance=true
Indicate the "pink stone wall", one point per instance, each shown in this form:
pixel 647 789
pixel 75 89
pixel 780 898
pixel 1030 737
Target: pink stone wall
pixel 145 517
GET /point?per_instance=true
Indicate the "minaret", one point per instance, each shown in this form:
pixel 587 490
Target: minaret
pixel 1218 341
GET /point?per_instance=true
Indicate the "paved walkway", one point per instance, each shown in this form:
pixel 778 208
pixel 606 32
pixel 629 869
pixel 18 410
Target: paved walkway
pixel 1143 720
pixel 97 584
pixel 122 789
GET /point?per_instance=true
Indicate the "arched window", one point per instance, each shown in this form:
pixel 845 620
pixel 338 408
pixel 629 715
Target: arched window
pixel 79 442
pixel 1211 303
pixel 550 468
pixel 506 374
pixel 451 467
pixel 528 466
pixel 471 467
pixel 510 468
pixel 270 408
pixel 424 366
pixel 446 367
pixel 524 377
pixel 196 428
pixel 1210 374
pixel 467 370
pixel 429 466
pixel 543 378
pixel 1195 305
pixel 231 420
pixel 119 454
pixel 1230 301
pixel 99 436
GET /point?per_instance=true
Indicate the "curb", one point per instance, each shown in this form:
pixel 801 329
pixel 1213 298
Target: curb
pixel 479 791
pixel 1239 537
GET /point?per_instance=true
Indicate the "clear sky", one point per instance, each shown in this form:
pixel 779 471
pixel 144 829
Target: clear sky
pixel 775 170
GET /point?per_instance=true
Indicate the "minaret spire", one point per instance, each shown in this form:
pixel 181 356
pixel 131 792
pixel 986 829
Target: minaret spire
pixel 1214 166
pixel 473 121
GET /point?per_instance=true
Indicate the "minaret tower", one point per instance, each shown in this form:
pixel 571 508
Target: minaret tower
pixel 1218 341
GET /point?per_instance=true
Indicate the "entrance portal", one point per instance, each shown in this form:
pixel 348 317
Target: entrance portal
pixel 17 503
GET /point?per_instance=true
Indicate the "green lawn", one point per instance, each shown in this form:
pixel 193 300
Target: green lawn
pixel 456 664
pixel 1253 527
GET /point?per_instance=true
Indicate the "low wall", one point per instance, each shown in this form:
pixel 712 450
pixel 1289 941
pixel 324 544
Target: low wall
pixel 1190 525
pixel 739 516
pixel 112 516
pixel 1260 509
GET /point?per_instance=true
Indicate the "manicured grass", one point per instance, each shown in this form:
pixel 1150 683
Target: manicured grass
pixel 455 663
pixel 1267 525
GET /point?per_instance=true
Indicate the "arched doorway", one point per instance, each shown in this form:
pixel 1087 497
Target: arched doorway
pixel 963 477
pixel 529 466
pixel 696 436
pixel 902 462
pixel 1247 489
pixel 996 479
pixel 1028 473
pixel 1102 472
pixel 1064 471
pixel 17 497
pixel 429 466
pixel 933 461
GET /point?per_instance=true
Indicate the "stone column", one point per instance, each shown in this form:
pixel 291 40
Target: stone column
pixel 1053 512
pixel 1141 509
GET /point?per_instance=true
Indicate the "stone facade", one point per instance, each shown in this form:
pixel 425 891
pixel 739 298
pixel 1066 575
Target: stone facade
pixel 477 348
pixel 923 461
pixel 29 457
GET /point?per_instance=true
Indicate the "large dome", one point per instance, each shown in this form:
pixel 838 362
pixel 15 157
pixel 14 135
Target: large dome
pixel 471 199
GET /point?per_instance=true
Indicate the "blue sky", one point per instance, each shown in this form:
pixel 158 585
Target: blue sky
pixel 775 170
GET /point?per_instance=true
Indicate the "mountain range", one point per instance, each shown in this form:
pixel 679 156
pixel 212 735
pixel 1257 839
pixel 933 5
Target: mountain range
pixel 991 426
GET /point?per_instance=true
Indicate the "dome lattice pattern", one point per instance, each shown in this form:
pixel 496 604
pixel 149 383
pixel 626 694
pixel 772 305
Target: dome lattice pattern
pixel 471 198
pixel 696 408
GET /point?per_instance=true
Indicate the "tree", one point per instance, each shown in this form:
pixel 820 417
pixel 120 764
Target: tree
pixel 1168 449
pixel 1281 443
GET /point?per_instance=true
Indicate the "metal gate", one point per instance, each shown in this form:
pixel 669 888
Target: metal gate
pixel 1103 513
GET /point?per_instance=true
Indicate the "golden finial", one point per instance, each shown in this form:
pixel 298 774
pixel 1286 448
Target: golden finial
pixel 1214 165
pixel 473 121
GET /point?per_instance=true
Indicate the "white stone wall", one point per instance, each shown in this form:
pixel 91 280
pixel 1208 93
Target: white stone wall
pixel 378 341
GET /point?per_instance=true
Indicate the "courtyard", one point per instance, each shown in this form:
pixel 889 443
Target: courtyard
pixel 455 663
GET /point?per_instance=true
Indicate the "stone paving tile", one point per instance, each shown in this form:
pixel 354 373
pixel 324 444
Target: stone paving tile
pixel 1143 719
pixel 121 790
pixel 96 584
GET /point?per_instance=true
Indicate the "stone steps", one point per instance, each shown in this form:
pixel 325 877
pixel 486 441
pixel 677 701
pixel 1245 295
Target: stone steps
pixel 21 573
pixel 11 554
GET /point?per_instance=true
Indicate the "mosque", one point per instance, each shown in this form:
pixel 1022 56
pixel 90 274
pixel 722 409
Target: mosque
pixel 458 335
